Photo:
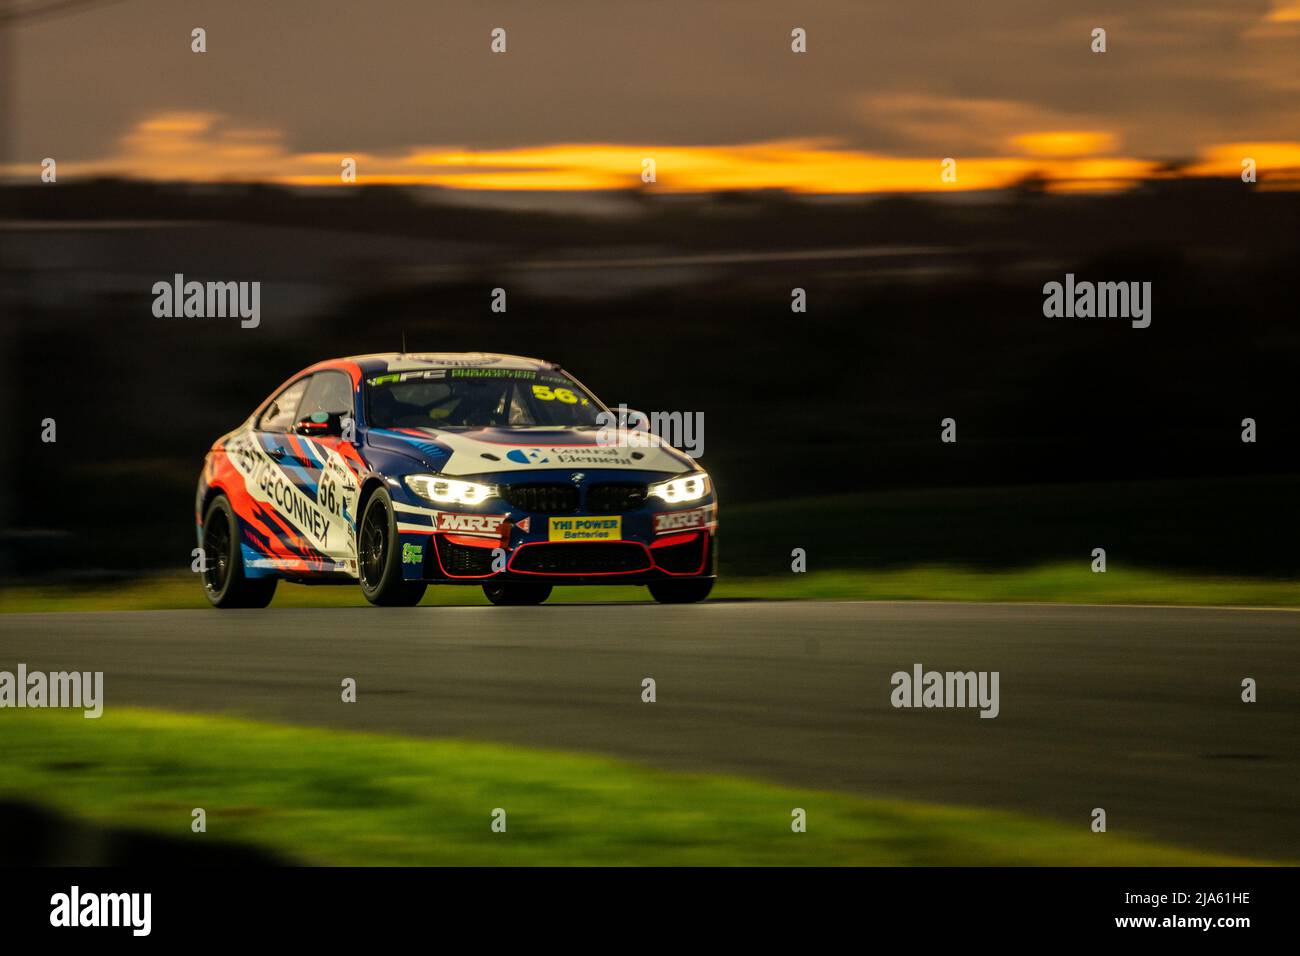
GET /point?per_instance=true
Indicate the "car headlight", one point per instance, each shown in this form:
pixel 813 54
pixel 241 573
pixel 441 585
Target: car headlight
pixel 449 491
pixel 691 487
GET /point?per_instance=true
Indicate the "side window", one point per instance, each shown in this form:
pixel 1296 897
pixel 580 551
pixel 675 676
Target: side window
pixel 279 415
pixel 328 392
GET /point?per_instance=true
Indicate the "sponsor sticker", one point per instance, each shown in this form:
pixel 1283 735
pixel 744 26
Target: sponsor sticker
pixel 267 482
pixel 527 456
pixel 598 528
pixel 680 520
pixel 394 377
pixel 521 373
pixel 412 553
pixel 470 524
pixel 560 456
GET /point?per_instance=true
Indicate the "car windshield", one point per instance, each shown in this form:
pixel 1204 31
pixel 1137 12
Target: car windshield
pixel 478 398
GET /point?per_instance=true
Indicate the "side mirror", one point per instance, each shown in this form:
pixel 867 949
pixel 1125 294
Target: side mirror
pixel 321 425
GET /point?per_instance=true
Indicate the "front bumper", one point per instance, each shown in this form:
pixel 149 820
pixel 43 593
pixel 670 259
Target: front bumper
pixel 651 542
pixel 451 559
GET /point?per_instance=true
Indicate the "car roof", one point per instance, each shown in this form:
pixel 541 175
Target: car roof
pixel 415 361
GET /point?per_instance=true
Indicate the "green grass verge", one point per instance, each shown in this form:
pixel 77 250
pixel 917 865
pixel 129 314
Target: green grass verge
pixel 1070 583
pixel 332 797
pixel 1053 583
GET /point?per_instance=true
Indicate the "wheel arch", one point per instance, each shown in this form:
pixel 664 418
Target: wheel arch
pixel 209 495
pixel 369 486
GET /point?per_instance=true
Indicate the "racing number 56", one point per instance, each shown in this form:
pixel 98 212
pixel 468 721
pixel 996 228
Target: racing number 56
pixel 547 394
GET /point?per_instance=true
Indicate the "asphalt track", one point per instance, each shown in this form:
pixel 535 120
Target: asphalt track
pixel 1136 710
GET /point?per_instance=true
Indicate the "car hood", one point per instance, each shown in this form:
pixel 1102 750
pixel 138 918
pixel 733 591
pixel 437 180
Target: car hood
pixel 478 450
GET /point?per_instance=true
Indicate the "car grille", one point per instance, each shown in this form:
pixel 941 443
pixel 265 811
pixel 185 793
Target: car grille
pixel 684 558
pixel 615 498
pixel 586 558
pixel 542 499
pixel 464 560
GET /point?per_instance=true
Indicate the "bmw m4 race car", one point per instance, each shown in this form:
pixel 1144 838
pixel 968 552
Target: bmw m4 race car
pixel 396 471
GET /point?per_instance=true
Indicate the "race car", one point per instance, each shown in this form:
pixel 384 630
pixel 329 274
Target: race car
pixel 395 471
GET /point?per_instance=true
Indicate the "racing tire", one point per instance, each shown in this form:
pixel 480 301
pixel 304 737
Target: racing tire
pixel 681 592
pixel 224 583
pixel 514 593
pixel 379 565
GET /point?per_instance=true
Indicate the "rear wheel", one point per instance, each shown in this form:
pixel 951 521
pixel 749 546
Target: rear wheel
pixel 516 592
pixel 224 581
pixel 379 565
pixel 681 592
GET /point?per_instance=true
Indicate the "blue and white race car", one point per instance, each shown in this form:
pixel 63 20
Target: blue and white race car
pixel 396 471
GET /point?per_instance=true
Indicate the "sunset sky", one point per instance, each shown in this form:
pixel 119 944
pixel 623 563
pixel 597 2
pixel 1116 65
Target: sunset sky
pixel 709 89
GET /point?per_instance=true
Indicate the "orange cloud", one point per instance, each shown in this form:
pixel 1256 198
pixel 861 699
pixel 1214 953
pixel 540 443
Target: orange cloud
pixel 1277 164
pixel 1285 11
pixel 798 166
pixel 1064 143
pixel 987 126
pixel 206 147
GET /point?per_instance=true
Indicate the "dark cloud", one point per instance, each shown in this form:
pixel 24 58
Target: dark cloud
pixel 384 75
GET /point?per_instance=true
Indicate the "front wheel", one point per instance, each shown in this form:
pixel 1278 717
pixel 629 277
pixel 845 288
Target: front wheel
pixel 681 592
pixel 379 565
pixel 224 581
pixel 516 592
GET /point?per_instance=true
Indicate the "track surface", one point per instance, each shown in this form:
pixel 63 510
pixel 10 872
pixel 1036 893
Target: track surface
pixel 1136 710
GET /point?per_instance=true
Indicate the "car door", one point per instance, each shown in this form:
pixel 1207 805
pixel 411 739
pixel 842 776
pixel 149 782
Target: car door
pixel 319 471
pixel 279 485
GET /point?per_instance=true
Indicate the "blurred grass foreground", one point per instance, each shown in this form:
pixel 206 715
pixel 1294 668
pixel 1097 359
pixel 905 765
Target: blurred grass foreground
pixel 345 798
